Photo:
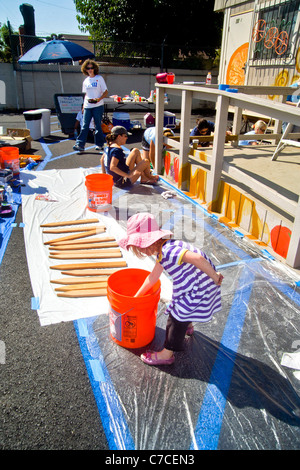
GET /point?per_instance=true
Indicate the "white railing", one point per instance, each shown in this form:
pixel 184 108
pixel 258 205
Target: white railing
pixel 279 111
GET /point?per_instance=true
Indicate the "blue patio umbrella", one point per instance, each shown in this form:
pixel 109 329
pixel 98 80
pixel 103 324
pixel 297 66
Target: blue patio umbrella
pixel 56 52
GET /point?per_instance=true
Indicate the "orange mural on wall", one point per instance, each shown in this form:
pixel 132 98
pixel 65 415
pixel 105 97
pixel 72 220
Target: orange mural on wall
pixel 236 67
pixel 280 240
pixel 234 208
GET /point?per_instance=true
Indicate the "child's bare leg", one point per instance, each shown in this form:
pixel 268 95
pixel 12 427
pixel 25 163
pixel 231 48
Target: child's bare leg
pixel 140 167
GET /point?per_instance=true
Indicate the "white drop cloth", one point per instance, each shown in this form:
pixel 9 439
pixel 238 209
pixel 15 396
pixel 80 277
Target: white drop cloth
pixel 68 188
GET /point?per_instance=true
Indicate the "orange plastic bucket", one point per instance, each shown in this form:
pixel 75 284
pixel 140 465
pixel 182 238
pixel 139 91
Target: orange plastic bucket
pixel 132 319
pixel 10 159
pixel 99 191
pixel 170 78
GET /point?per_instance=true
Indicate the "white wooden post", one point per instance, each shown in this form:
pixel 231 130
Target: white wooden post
pixel 293 256
pixel 218 148
pixel 185 127
pixel 236 125
pixel 159 125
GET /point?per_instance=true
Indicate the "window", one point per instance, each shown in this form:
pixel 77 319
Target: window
pixel 275 32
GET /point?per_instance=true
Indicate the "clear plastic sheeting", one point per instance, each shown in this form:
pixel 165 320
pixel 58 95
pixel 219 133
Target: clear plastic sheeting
pixel 228 389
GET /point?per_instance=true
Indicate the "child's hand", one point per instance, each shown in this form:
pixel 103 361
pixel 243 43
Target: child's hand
pixel 219 279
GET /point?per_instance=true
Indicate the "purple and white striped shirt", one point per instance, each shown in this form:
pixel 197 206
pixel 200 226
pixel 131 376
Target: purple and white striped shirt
pixel 195 295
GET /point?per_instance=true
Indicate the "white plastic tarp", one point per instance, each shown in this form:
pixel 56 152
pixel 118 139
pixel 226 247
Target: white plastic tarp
pixel 68 201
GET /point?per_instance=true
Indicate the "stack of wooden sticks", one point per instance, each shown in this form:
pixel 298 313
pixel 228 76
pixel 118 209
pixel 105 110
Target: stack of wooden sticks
pixel 88 279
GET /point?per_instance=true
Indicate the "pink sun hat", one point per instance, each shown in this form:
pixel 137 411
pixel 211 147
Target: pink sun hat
pixel 142 231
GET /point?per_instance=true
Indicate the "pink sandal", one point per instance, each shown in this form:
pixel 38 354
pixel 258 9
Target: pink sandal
pixel 147 359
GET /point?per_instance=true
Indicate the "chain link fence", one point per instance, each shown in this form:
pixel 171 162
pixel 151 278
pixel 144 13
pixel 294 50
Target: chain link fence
pixel 131 54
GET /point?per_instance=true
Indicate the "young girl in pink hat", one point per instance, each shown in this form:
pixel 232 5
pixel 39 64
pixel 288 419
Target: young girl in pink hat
pixel 196 284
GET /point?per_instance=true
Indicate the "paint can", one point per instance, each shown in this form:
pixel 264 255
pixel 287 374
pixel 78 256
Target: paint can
pixel 132 319
pixel 99 191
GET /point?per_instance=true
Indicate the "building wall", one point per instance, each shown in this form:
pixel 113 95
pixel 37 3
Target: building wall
pixel 33 86
pixel 239 66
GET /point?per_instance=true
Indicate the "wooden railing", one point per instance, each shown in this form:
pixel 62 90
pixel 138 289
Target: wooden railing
pixel 279 111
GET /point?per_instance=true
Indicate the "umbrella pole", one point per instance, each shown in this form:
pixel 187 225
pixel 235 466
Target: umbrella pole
pixel 61 82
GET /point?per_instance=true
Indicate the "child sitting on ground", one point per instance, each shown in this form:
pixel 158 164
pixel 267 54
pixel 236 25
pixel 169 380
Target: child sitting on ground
pixel 196 284
pixel 124 170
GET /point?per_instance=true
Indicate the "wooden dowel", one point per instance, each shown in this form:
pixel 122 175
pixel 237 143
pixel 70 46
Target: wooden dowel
pixel 84 293
pixel 86 252
pixel 87 256
pixel 93 285
pixel 83 246
pixel 67 281
pixel 70 222
pixel 89 272
pixel 76 242
pixel 104 264
pixel 88 233
pixel 72 230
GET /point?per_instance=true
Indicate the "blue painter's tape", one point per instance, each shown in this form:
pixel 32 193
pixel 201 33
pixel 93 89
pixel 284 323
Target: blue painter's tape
pixel 239 234
pixel 21 224
pixel 97 370
pixel 110 410
pixel 267 254
pixel 297 283
pixel 208 427
pixel 35 303
pixel 82 328
pixel 48 155
pixel 14 224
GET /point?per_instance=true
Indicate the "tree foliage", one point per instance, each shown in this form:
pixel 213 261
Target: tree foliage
pixel 5 49
pixel 187 23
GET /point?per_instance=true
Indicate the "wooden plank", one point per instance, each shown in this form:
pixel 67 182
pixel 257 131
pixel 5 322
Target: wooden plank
pixel 83 293
pixel 88 233
pixel 70 222
pixel 67 281
pixel 86 256
pixel 104 264
pixel 84 246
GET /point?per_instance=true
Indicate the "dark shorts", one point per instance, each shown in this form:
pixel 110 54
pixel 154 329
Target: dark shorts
pixel 145 145
pixel 122 183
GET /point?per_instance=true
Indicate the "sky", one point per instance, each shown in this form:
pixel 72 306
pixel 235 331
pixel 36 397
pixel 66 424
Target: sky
pixel 53 16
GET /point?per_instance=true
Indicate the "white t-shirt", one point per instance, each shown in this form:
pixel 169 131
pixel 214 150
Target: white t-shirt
pixel 93 87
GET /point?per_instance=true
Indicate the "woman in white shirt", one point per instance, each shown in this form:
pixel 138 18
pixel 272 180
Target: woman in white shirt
pixel 95 90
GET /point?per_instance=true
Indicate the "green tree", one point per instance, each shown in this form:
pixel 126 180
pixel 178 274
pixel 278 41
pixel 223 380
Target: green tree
pixel 186 23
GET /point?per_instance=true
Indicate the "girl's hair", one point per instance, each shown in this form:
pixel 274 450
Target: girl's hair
pixel 88 62
pixel 111 138
pixel 139 254
pixel 136 251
